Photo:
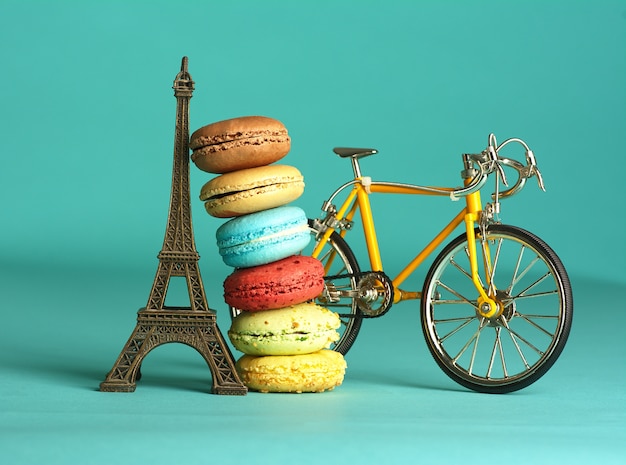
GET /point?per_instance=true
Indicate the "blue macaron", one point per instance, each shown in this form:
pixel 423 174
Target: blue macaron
pixel 263 237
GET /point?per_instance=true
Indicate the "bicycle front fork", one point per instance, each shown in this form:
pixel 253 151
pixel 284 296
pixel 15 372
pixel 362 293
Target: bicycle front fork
pixel 486 305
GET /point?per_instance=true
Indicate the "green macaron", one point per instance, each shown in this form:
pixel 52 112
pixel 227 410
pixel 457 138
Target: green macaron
pixel 299 329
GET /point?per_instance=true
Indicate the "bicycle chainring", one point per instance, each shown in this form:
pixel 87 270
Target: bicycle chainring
pixel 375 293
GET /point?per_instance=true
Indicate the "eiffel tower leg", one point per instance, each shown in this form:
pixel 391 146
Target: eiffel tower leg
pixel 126 370
pixel 156 300
pixel 220 361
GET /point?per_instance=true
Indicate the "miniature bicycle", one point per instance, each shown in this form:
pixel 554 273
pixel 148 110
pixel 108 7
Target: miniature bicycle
pixel 496 304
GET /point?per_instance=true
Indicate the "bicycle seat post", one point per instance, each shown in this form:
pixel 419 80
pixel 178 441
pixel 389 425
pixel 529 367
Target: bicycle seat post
pixel 355 166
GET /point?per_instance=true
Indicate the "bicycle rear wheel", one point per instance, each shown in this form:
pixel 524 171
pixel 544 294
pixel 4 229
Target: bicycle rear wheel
pixel 340 287
pixel 515 348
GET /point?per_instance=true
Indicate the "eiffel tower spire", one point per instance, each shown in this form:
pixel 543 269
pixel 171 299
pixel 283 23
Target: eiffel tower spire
pixel 179 233
pixel 178 256
pixel 157 323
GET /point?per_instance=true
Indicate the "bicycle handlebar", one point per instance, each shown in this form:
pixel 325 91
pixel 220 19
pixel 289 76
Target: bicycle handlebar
pixel 490 161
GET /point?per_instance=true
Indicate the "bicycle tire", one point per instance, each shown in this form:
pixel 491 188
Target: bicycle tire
pixel 347 308
pixel 455 333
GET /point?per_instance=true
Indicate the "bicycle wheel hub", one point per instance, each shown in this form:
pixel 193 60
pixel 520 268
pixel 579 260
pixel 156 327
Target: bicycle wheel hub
pixel 487 309
pixel 506 304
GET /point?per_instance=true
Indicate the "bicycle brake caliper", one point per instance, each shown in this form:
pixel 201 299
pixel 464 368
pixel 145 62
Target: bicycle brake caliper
pixel 488 216
pixel 331 221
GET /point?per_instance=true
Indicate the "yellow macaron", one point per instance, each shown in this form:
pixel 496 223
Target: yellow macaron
pixel 252 190
pixel 317 372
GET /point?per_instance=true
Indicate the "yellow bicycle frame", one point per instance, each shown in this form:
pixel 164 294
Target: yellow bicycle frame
pixel 358 198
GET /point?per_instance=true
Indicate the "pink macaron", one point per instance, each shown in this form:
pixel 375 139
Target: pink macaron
pixel 278 284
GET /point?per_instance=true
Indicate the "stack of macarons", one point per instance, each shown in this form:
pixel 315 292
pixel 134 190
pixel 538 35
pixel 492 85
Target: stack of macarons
pixel 285 337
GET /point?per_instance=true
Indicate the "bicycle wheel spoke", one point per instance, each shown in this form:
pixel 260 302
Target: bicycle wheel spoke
pixel 457 294
pixel 528 318
pixel 453 320
pixel 460 268
pixel 457 329
pixel 505 372
pixel 524 271
pixel 539 281
pixel 492 358
pixel 473 357
pixel 328 258
pixel 532 296
pixel 516 270
pixel 453 302
pixel 497 348
pixel 469 342
pixel 515 334
pixel 517 347
pixel 326 254
pixel 537 316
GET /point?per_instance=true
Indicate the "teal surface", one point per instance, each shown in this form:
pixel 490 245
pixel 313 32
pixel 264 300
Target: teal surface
pixel 87 123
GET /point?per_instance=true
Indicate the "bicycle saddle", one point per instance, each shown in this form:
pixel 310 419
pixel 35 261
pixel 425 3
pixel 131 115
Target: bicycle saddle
pixel 345 152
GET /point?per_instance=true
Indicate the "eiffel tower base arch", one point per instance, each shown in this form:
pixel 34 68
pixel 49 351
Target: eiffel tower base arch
pixel 195 329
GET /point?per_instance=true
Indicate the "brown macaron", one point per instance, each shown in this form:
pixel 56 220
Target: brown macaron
pixel 239 143
pixel 251 190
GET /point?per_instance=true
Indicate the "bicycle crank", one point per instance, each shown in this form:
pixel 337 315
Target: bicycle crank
pixel 374 294
pixel 372 291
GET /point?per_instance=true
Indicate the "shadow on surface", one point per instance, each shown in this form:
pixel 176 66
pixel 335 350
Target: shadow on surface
pixel 168 371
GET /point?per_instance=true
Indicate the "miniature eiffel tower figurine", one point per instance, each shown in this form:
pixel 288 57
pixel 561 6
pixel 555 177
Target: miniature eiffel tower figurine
pixel 157 323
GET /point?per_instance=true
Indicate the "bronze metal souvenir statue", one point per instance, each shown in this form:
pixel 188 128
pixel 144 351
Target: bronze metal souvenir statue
pixel 157 323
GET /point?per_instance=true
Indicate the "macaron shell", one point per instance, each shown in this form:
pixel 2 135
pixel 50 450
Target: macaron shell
pixel 263 237
pixel 316 372
pixel 239 143
pixel 251 190
pixel 278 284
pixel 235 128
pixel 266 251
pixel 298 329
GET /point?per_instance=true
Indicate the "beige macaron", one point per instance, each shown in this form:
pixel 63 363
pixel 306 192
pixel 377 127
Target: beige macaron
pixel 316 372
pixel 251 190
pixel 239 143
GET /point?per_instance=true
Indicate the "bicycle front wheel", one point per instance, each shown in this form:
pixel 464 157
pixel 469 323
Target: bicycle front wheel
pixel 518 345
pixel 340 287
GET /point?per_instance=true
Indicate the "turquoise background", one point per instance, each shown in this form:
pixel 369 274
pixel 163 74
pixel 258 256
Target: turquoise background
pixel 87 123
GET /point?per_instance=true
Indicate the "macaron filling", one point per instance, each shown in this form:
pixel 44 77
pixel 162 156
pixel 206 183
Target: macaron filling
pixel 283 343
pixel 258 339
pixel 271 236
pixel 220 142
pixel 254 188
